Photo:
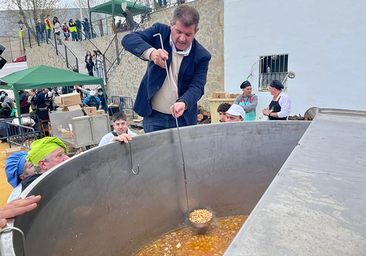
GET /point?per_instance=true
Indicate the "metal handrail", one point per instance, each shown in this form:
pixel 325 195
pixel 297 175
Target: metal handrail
pixel 65 57
pixel 116 34
pixel 120 52
pixel 36 37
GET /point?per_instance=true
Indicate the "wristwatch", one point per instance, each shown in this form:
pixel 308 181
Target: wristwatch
pixel 182 100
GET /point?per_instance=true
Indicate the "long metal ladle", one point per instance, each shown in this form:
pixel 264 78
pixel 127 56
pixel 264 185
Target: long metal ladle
pixel 176 121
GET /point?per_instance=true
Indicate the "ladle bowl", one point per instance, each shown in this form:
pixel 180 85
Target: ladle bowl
pixel 201 225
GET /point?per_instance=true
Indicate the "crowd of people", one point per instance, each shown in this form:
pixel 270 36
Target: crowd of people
pixel 39 101
pixel 73 28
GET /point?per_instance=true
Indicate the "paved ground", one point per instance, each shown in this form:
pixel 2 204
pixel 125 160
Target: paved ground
pixel 5 188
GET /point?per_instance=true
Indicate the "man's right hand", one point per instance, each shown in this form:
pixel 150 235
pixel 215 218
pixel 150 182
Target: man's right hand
pixel 17 207
pixel 123 138
pixel 159 57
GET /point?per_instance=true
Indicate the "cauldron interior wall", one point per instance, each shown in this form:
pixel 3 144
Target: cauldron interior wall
pixel 93 204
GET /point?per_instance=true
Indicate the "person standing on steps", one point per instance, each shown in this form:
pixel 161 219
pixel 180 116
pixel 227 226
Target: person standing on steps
pixel 66 31
pixel 99 64
pixel 73 29
pixel 89 64
pixel 86 28
pixel 78 27
pixel 58 29
pixel 48 26
pixel 41 29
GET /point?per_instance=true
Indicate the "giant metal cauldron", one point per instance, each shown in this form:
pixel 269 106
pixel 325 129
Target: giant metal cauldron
pixel 93 204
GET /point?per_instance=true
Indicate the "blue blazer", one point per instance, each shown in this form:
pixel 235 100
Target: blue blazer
pixel 192 75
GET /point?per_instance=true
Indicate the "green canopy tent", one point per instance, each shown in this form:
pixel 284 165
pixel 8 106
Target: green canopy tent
pixel 44 77
pixel 114 8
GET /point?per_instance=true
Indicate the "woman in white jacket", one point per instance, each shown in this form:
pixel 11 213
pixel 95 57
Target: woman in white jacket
pixel 99 64
pixel 58 29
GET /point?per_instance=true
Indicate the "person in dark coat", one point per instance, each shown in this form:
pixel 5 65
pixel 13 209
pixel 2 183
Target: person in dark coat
pixel 101 98
pixel 86 28
pixel 39 99
pixel 189 70
pixel 90 66
pixel 24 107
pixel 79 34
pixel 41 30
pixel 5 111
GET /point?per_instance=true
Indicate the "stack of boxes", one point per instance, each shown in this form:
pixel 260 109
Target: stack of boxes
pixel 92 111
pixel 69 102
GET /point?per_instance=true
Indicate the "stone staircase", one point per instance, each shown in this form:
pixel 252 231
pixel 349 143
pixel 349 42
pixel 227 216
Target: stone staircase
pixel 79 52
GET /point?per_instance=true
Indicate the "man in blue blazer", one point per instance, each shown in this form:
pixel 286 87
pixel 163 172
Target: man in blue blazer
pixel 187 61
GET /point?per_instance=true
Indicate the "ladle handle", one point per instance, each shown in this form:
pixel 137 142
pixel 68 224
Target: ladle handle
pixel 8 229
pixel 138 167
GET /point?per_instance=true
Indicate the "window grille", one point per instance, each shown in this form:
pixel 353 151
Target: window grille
pixel 272 67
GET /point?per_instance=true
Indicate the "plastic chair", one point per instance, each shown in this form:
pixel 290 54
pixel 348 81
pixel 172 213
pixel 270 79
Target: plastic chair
pixel 45 128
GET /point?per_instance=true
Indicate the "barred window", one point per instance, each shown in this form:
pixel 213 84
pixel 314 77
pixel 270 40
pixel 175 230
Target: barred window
pixel 272 67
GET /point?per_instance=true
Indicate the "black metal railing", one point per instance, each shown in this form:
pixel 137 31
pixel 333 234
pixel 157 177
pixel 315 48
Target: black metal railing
pixel 115 51
pixel 65 52
pixel 20 135
pixel 36 39
pixel 7 131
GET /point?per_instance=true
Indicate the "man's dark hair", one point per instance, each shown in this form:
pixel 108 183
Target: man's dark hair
pixel 118 116
pixel 223 107
pixel 186 14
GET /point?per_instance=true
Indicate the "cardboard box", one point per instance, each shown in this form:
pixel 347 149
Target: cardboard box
pixel 220 95
pixel 58 100
pixel 100 112
pixel 90 111
pixel 71 108
pixel 70 99
pixel 12 150
pixel 66 133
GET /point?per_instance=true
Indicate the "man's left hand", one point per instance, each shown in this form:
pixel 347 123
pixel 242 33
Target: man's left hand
pixel 179 108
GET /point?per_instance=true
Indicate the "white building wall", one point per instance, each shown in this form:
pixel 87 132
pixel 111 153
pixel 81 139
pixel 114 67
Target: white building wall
pixel 325 40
